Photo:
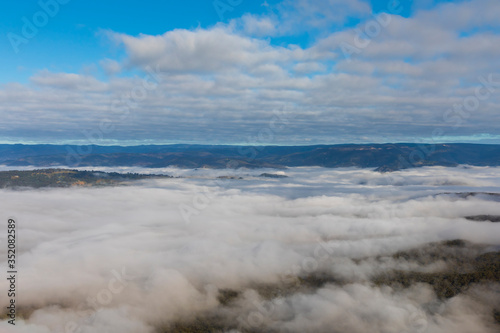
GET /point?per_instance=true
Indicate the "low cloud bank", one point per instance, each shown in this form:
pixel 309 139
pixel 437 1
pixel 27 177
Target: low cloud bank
pixel 296 254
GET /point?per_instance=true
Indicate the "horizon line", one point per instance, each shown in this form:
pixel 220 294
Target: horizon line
pixel 246 145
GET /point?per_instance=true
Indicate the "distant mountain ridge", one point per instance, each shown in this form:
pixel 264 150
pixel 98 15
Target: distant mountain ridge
pixel 382 157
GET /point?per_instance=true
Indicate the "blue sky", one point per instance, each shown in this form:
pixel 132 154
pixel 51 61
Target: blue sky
pixel 223 69
pixel 72 39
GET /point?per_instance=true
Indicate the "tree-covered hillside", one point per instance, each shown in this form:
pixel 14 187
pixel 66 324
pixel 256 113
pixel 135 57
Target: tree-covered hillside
pixel 66 178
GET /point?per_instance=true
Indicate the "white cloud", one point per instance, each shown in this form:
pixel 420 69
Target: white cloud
pixel 124 258
pixel 110 66
pixel 70 81
pixel 463 15
pixel 303 14
pixel 201 51
pixel 258 26
pixel 222 84
pixel 309 67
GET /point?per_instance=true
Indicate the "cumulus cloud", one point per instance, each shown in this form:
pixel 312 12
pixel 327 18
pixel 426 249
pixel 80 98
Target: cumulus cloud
pixel 127 259
pixel 200 51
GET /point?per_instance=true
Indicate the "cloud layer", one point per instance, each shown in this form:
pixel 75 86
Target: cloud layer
pixel 126 259
pixel 358 78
